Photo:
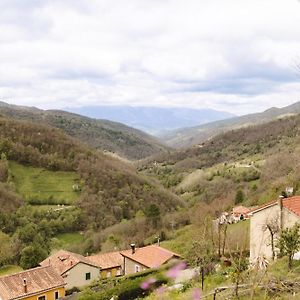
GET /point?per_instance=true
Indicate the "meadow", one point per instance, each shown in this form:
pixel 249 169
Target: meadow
pixel 39 186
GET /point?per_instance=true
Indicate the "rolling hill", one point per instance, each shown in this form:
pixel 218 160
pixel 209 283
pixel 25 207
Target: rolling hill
pixel 261 160
pixel 187 137
pixel 107 183
pixel 106 135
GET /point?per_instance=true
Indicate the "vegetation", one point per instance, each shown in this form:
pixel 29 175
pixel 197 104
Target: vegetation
pixel 289 242
pixel 126 288
pixel 101 134
pixel 40 186
pixel 42 165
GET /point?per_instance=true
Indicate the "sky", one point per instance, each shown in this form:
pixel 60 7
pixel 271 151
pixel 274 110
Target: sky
pixel 232 55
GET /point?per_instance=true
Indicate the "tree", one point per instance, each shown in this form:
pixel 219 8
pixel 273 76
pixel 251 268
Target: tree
pixel 153 214
pixel 239 197
pixel 289 243
pixel 6 252
pixel 273 227
pixel 32 255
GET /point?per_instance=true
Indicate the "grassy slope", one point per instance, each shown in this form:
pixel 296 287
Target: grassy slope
pixel 40 186
pixel 237 237
pixel 10 269
pixel 67 240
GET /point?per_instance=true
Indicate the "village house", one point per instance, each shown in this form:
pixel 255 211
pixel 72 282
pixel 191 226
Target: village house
pixel 42 283
pixel 109 263
pixel 267 221
pixel 77 270
pixel 140 259
pixel 240 213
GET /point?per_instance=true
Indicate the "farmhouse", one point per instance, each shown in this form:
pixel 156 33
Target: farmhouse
pixel 109 263
pixel 77 270
pixel 42 283
pixel 240 213
pixel 266 223
pixel 140 259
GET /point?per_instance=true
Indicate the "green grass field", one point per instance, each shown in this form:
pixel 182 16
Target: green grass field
pixel 67 240
pixel 40 186
pixel 10 269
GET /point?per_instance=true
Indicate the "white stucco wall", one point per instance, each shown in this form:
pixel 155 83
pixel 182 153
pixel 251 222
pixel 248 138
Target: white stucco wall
pixel 260 238
pixel 260 241
pixel 76 276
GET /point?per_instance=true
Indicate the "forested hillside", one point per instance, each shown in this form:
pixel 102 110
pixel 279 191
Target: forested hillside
pixel 257 161
pixel 101 134
pixel 108 190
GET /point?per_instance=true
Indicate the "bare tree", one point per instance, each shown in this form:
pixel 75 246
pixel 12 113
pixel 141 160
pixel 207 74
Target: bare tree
pixel 272 226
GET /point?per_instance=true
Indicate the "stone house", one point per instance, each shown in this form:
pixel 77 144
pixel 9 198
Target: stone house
pixel 149 257
pixel 110 263
pixel 278 214
pixel 42 283
pixel 77 270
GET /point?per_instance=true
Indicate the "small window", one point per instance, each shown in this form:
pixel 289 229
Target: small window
pixel 87 276
pixel 56 295
pixel 108 274
pixel 42 298
pixel 137 268
pixel 119 272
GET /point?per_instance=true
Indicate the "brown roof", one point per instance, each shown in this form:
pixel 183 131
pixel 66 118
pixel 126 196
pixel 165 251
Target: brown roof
pixel 63 261
pixel 107 260
pixel 150 256
pixel 291 203
pixel 38 280
pixel 240 210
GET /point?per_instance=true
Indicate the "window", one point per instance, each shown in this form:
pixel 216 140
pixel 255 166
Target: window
pixel 42 298
pixel 108 274
pixel 87 276
pixel 137 268
pixel 56 295
pixel 119 272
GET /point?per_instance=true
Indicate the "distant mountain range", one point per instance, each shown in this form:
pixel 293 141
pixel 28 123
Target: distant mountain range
pixel 154 120
pixel 187 137
pixel 123 140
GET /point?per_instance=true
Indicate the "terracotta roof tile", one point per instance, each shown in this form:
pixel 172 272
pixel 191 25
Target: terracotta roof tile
pixel 240 210
pixel 150 256
pixel 63 261
pixel 38 280
pixel 107 260
pixel 292 204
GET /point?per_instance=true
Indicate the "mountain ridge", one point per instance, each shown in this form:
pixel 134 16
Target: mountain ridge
pixel 187 137
pixel 106 135
pixel 153 120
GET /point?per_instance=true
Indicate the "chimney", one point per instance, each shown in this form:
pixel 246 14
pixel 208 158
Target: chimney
pixel 280 204
pixel 25 285
pixel 132 248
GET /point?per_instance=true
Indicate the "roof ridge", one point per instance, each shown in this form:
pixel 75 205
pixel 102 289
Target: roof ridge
pixel 26 271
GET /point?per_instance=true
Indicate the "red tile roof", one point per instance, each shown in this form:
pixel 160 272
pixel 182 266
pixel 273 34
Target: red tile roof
pixel 150 256
pixel 38 280
pixel 107 260
pixel 290 203
pixel 240 210
pixel 63 261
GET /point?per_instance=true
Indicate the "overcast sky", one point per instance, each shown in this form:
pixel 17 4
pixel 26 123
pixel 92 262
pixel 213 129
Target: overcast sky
pixel 233 55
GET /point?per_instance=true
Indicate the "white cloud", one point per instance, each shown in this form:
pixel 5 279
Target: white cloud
pixel 233 55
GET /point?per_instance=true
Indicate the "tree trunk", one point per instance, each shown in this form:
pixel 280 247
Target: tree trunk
pixel 224 240
pixel 290 262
